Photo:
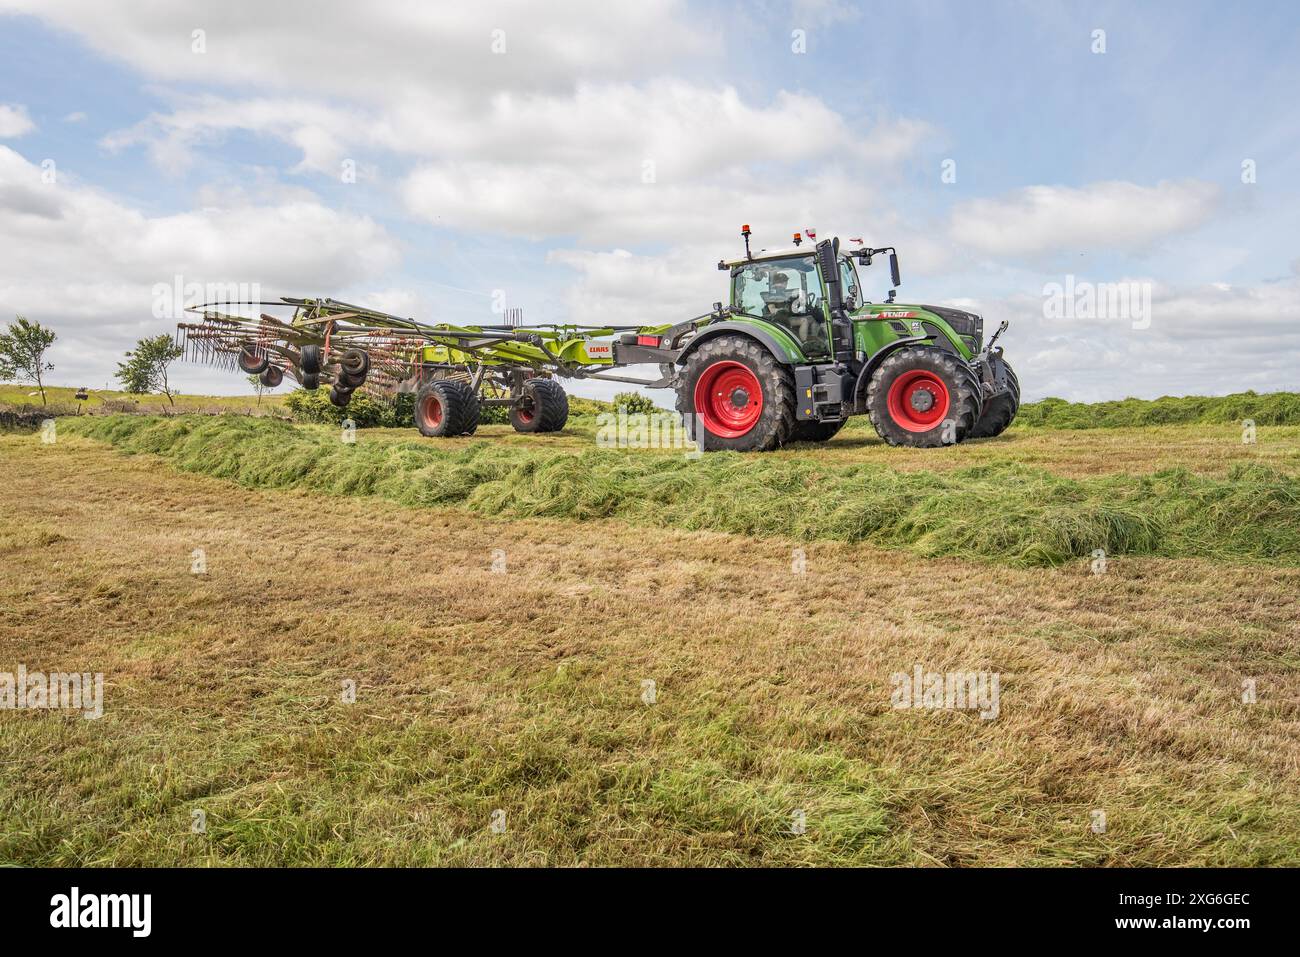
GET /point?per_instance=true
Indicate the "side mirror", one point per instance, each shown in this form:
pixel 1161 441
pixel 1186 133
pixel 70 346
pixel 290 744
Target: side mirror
pixel 893 269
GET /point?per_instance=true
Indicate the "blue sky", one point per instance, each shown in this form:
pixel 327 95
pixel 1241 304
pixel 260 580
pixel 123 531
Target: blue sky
pixel 519 167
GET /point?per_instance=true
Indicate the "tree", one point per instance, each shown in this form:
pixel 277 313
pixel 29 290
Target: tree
pixel 22 353
pixel 145 368
pixel 259 387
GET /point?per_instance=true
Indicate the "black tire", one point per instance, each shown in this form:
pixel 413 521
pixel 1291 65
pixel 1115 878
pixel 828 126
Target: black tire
pixel 340 396
pixel 311 381
pixel 999 410
pixel 773 422
pixel 816 431
pixel 349 381
pixel 446 407
pixel 272 376
pixel 543 406
pixel 903 415
pixel 310 360
pixel 356 363
pixel 251 362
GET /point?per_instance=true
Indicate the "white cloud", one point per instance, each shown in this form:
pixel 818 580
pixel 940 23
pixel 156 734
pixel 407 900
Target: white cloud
pixel 368 50
pixel 204 120
pixel 14 120
pixel 1104 217
pixel 1203 338
pixel 75 117
pixel 86 264
pixel 623 288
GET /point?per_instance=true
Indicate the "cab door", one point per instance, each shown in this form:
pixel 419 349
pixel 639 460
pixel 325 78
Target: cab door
pixel 838 322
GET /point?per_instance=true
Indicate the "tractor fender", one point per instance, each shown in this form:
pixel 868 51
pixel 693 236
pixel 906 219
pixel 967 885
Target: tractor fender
pixel 860 387
pixel 780 351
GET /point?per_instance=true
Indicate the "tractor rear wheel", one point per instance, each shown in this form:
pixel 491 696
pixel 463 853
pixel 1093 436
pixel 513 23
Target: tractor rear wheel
pixel 924 397
pixel 1001 409
pixel 816 431
pixel 543 406
pixel 446 407
pixel 733 394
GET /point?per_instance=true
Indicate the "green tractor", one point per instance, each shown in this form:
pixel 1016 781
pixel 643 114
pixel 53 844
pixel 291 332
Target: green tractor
pixel 798 351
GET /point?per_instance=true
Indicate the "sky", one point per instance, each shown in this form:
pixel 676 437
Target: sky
pixel 591 162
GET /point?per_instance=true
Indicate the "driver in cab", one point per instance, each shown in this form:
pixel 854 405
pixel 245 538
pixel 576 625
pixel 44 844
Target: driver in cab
pixel 787 308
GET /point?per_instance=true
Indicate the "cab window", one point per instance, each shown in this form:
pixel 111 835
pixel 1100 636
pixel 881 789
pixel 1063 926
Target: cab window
pixel 849 287
pixel 787 293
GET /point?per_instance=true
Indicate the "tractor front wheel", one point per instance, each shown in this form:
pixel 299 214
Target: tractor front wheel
pixel 734 395
pixel 446 407
pixel 924 397
pixel 542 406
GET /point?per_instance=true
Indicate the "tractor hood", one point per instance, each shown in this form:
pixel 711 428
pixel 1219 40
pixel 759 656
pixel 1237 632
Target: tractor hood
pixel 962 323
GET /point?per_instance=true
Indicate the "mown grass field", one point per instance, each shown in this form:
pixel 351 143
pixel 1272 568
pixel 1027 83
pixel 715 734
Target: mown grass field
pixel 500 602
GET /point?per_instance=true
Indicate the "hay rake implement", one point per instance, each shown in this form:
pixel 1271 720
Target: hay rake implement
pixel 453 370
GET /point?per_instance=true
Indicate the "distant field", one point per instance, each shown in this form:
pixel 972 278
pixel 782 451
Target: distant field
pixel 501 665
pixel 64 399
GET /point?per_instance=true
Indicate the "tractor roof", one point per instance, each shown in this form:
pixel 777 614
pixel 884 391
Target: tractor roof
pixel 765 255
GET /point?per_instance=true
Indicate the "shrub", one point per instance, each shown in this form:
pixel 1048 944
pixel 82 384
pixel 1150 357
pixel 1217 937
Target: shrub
pixel 635 403
pixel 1272 408
pixel 315 406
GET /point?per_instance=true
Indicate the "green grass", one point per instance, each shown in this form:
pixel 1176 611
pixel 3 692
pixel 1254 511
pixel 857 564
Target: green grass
pixel 1271 408
pixel 62 400
pixel 999 510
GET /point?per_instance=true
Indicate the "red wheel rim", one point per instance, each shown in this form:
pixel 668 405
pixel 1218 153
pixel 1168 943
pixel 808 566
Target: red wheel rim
pixel 431 411
pixel 729 399
pixel 524 415
pixel 918 400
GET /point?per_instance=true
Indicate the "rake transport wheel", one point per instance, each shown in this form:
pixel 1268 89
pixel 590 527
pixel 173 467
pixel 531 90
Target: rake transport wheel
pixel 272 376
pixel 311 380
pixel 252 363
pixel 309 360
pixel 340 397
pixel 735 395
pixel 543 406
pixel 816 431
pixel 356 363
pixel 1001 409
pixel 446 407
pixel 924 397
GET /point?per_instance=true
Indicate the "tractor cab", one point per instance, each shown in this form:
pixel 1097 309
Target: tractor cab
pixel 809 293
pixel 786 291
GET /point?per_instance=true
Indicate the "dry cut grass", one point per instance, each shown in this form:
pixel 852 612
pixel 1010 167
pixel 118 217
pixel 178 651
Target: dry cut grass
pixel 521 690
